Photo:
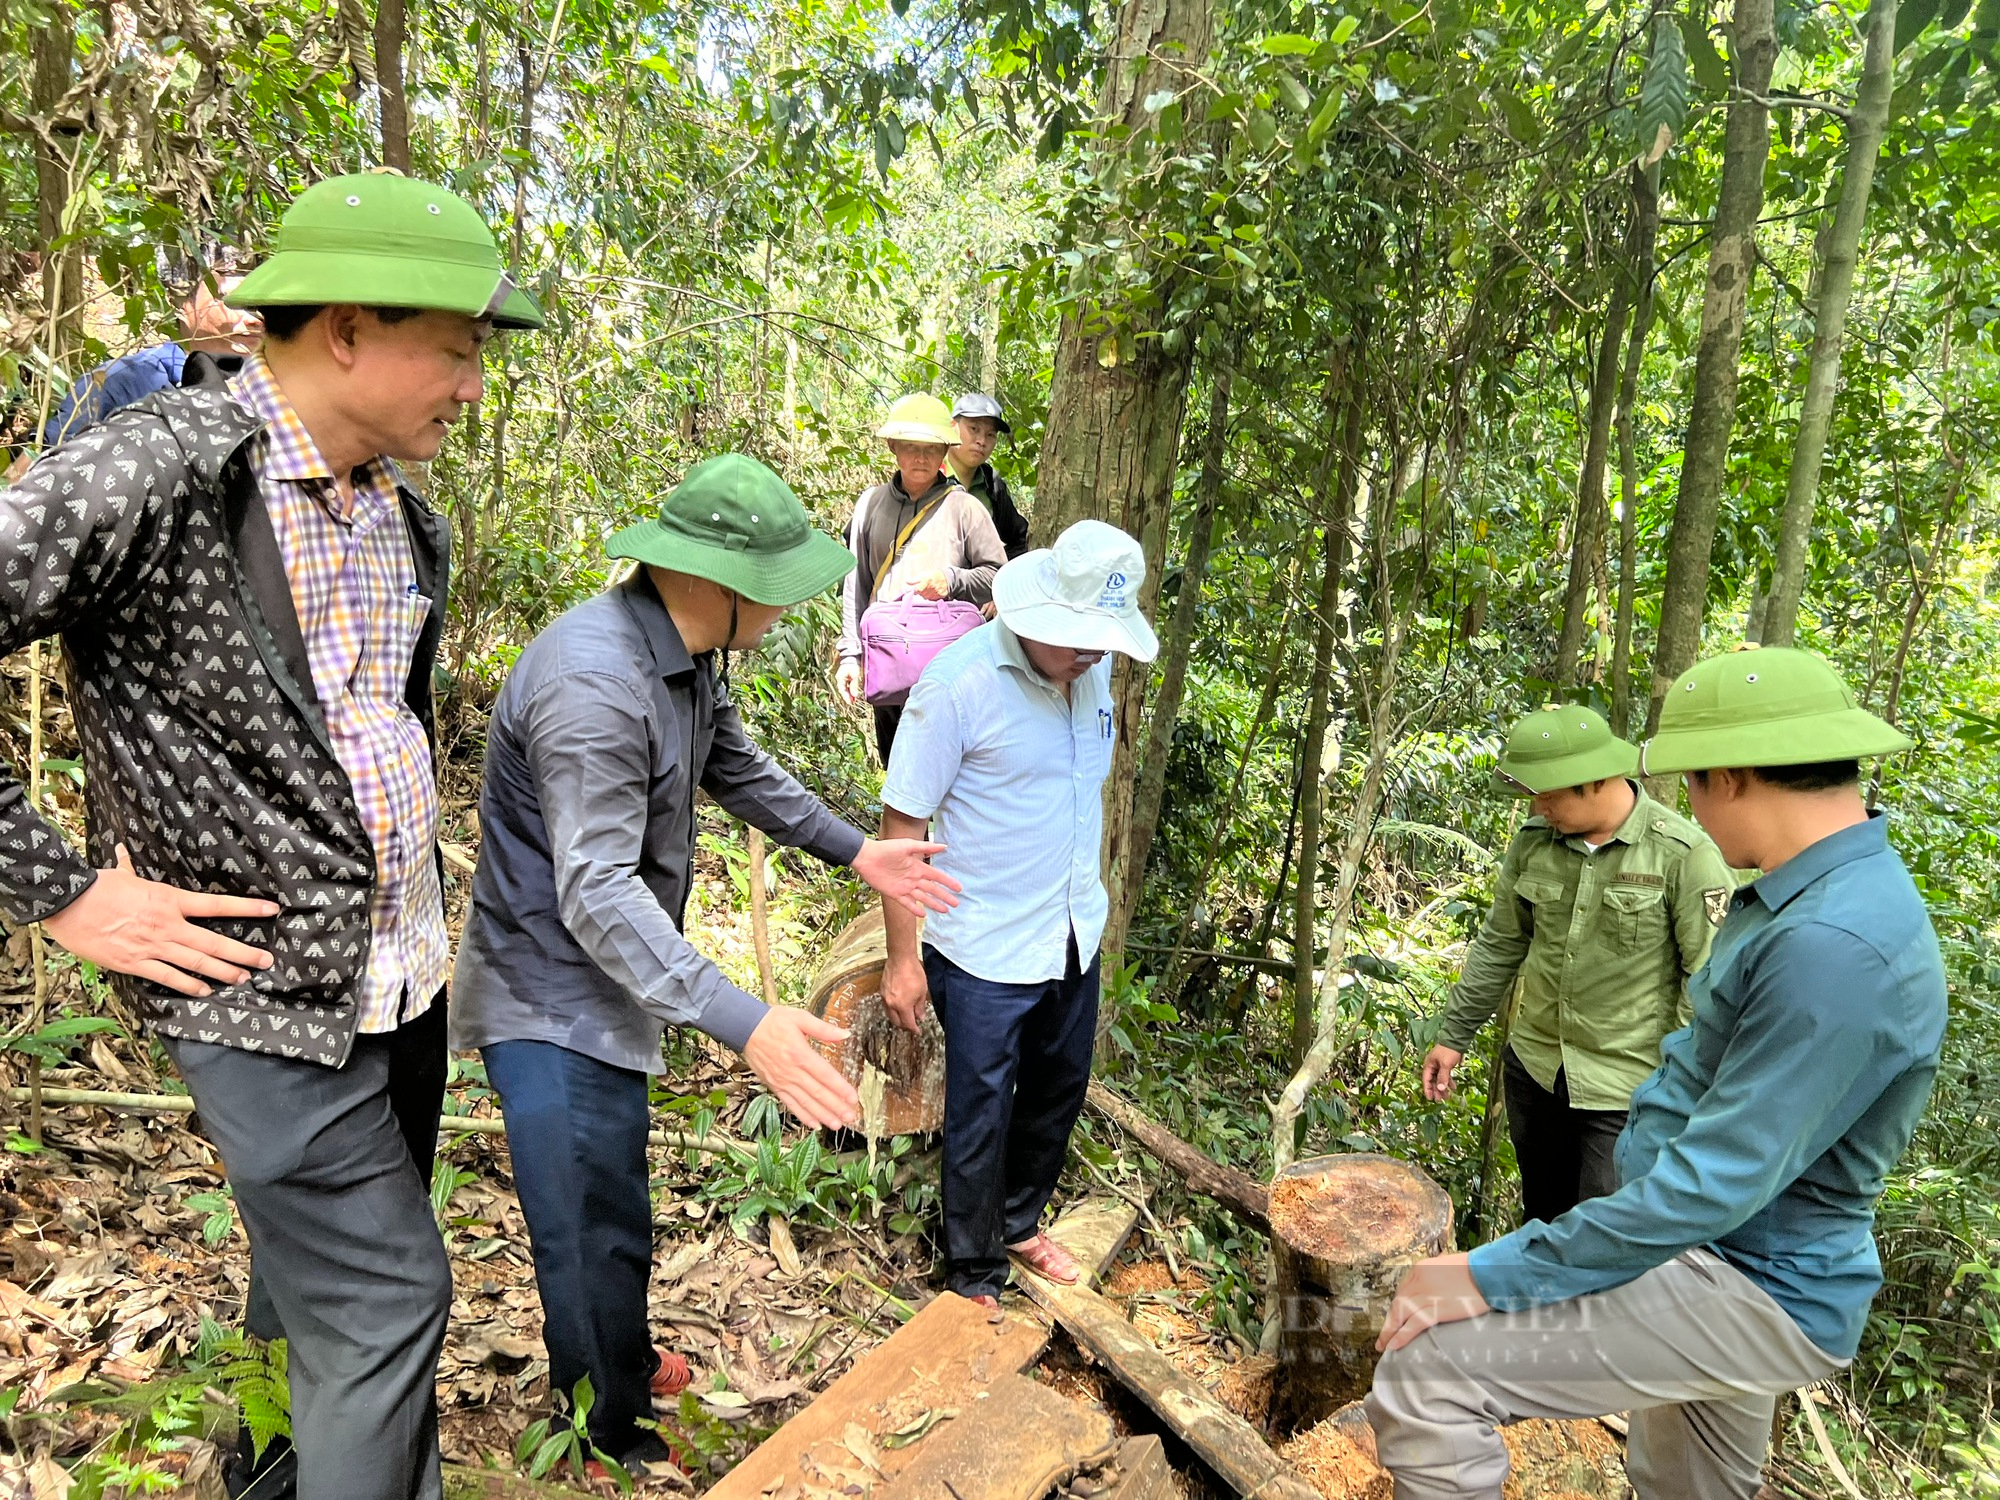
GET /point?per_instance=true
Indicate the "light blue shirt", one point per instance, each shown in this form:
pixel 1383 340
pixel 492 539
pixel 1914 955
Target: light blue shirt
pixel 1011 776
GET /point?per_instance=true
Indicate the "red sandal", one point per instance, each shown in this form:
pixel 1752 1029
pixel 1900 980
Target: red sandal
pixel 673 1375
pixel 1049 1260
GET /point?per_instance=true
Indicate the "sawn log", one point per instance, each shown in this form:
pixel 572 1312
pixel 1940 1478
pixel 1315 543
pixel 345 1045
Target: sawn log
pixel 1236 1191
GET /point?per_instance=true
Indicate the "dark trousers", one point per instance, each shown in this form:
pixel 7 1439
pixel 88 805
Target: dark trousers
pixel 887 717
pixel 330 1168
pixel 1565 1154
pixel 576 1132
pixel 1017 1062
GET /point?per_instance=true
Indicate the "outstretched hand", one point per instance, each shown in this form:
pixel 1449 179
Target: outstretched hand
pixel 1438 1290
pixel 782 1053
pixel 1439 1064
pixel 900 869
pixel 145 928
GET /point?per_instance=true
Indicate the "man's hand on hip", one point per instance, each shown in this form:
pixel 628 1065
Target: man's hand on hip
pixel 141 927
pixel 1438 1067
pixel 905 991
pixel 781 1052
pixel 1438 1290
pixel 900 869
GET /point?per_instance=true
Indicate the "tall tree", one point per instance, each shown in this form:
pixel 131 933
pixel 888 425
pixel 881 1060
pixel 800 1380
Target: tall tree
pixel 1645 239
pixel 1732 255
pixel 391 22
pixel 1866 122
pixel 1116 403
pixel 1586 551
pixel 1177 645
pixel 51 62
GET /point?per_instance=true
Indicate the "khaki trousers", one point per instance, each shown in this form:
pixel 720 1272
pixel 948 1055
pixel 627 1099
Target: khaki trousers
pixel 1695 1351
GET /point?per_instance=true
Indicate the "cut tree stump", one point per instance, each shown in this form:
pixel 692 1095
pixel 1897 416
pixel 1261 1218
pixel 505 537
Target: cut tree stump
pixel 1343 1230
pixel 1236 1191
pixel 947 1357
pixel 899 1074
pixel 1017 1444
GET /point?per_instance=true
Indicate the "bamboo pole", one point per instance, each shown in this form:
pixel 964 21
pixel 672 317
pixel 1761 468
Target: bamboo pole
pixel 760 918
pixel 38 953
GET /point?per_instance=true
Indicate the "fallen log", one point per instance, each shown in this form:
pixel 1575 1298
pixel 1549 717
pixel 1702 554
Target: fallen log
pixel 1236 1191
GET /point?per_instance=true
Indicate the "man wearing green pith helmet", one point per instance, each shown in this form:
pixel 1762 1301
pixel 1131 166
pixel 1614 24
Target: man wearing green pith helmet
pixel 250 596
pixel 1735 1262
pixel 574 958
pixel 1604 907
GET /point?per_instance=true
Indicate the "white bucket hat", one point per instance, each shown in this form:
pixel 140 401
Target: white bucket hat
pixel 1082 593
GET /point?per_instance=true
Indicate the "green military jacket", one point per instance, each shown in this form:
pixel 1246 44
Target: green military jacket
pixel 1602 943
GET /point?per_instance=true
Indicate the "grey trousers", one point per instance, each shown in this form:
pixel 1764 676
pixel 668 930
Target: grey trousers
pixel 1695 1351
pixel 347 1252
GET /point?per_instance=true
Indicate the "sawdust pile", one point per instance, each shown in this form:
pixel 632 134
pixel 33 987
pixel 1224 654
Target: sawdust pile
pixel 1332 1462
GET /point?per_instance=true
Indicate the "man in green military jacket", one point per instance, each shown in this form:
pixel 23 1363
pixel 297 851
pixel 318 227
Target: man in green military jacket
pixel 1604 909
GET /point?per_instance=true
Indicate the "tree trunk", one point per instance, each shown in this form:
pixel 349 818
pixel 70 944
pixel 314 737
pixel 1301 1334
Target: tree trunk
pixel 390 19
pixel 1236 1191
pixel 1836 283
pixel 1312 749
pixel 1115 405
pixel 1712 412
pixel 53 45
pixel 1174 659
pixel 1645 236
pixel 1586 554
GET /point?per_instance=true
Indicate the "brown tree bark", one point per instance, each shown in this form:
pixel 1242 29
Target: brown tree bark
pixel 53 47
pixel 1179 641
pixel 391 20
pixel 1312 748
pixel 1645 238
pixel 1712 412
pixel 1586 553
pixel 1115 406
pixel 1869 119
pixel 1236 1191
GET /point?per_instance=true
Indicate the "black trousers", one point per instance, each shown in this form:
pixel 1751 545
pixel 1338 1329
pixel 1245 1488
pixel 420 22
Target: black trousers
pixel 1565 1154
pixel 330 1168
pixel 887 717
pixel 576 1135
pixel 1017 1062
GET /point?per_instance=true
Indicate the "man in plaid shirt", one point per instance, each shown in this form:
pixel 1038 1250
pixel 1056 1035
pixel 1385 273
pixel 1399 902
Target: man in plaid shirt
pixel 250 599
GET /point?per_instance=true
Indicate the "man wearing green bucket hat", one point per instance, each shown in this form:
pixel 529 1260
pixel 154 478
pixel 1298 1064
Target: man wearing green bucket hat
pixel 1603 909
pixel 574 958
pixel 250 598
pixel 1736 1260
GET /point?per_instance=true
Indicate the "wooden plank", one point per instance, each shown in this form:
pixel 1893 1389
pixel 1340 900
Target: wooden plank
pixel 950 1353
pixel 1236 1191
pixel 1143 1471
pixel 1017 1444
pixel 1224 1441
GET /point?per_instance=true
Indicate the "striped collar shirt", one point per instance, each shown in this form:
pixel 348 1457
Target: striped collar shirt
pixel 354 586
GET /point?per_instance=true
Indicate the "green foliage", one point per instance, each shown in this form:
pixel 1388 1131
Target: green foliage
pixel 565 1438
pixel 218 1207
pixel 53 1042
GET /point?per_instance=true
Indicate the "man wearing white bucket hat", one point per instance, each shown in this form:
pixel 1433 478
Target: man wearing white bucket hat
pixel 1005 744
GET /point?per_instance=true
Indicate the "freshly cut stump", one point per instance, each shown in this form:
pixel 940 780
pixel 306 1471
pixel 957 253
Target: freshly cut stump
pixel 1343 1230
pixel 899 1076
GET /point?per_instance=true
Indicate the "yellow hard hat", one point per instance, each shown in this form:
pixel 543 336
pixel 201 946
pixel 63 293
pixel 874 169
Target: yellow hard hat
pixel 918 419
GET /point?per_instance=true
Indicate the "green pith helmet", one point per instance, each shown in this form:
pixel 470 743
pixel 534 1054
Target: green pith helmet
pixel 733 521
pixel 918 419
pixel 380 239
pixel 1559 746
pixel 1764 706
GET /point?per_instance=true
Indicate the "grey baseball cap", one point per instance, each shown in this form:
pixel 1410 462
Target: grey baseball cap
pixel 977 404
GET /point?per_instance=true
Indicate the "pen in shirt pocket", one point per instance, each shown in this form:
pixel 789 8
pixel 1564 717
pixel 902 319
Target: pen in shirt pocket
pixel 1104 723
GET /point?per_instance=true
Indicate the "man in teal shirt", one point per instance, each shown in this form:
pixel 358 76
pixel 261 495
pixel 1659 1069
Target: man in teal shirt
pixel 1736 1260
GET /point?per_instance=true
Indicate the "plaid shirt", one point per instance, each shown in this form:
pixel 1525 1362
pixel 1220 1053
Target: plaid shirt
pixel 355 590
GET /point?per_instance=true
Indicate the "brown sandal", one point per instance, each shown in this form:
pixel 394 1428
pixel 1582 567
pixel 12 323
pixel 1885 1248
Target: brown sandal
pixel 1049 1260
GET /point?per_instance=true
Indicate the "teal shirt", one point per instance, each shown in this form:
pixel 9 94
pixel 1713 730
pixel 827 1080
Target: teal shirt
pixel 1774 1119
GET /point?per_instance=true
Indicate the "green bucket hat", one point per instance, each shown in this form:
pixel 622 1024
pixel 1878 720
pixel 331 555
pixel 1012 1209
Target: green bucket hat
pixel 1559 746
pixel 733 521
pixel 1764 706
pixel 380 239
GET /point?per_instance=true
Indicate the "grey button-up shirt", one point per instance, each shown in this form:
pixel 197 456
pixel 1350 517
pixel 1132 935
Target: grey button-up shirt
pixel 602 734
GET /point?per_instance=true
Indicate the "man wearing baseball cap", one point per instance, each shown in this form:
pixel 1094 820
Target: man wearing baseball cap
pixel 978 420
pixel 574 958
pixel 1004 748
pixel 1602 911
pixel 250 596
pixel 1736 1260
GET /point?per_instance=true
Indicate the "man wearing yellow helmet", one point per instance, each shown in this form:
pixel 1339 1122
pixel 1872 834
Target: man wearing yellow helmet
pixel 1736 1261
pixel 917 533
